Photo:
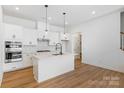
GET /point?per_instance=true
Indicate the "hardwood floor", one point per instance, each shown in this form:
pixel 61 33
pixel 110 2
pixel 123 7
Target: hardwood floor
pixel 84 76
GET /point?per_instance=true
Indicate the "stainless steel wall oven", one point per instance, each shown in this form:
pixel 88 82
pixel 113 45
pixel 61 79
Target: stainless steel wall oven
pixel 13 51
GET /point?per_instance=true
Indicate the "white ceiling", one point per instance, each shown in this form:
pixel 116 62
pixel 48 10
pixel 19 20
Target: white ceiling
pixel 76 14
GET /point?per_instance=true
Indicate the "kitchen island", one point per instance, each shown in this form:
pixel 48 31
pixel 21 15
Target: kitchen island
pixel 46 65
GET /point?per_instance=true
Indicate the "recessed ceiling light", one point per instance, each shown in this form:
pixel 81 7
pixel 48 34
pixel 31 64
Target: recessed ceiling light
pixel 46 32
pixel 49 18
pixel 17 8
pixel 66 23
pixel 93 12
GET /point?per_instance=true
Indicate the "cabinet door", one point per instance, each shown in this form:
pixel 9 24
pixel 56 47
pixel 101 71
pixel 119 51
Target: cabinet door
pixel 40 34
pixel 33 37
pixel 27 60
pixel 12 66
pixel 64 37
pixel 12 32
pixel 30 36
pixel 54 38
pixel 42 26
pixel 26 36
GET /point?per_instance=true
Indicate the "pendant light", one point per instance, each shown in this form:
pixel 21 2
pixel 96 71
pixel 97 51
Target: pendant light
pixel 64 23
pixel 46 29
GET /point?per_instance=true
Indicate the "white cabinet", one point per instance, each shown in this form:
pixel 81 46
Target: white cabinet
pixel 56 28
pixel 40 33
pixel 64 37
pixel 12 66
pixel 29 36
pixel 42 26
pixel 43 35
pixel 52 35
pixel 12 32
pixel 46 35
pixel 54 38
pixel 27 61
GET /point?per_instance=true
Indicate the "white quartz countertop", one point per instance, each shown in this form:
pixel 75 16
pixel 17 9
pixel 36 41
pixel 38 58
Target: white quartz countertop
pixel 45 55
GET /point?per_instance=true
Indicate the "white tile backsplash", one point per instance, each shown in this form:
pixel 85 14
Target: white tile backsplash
pixel 29 49
pixel 42 45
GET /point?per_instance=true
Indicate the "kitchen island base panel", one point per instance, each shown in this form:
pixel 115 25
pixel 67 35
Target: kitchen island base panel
pixel 45 69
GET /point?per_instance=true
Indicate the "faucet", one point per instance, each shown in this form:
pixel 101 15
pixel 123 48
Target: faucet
pixel 59 46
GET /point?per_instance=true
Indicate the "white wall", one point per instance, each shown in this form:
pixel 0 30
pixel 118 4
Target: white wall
pixel 19 21
pixel 1 46
pixel 101 42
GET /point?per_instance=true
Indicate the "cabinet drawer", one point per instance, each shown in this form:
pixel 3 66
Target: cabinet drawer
pixel 12 66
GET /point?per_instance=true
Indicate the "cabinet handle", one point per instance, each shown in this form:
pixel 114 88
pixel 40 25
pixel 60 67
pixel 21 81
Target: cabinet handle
pixel 13 36
pixel 30 42
pixel 13 67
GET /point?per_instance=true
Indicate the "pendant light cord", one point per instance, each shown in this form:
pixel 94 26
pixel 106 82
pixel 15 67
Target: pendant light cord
pixel 64 22
pixel 46 17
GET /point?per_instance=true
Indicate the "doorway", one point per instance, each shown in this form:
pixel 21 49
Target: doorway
pixel 77 48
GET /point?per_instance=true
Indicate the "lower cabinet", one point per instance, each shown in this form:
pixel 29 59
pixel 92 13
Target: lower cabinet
pixel 27 61
pixel 12 66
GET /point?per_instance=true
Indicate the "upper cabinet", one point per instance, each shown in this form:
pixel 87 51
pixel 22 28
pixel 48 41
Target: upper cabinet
pixel 42 35
pixel 64 37
pixel 12 32
pixel 29 36
pixel 56 28
pixel 53 37
pixel 59 30
pixel 42 26
pixel 26 35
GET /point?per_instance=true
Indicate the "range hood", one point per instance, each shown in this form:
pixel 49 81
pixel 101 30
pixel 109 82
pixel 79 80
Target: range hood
pixel 42 39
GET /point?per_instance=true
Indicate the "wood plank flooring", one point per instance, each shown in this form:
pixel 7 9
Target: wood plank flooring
pixel 84 76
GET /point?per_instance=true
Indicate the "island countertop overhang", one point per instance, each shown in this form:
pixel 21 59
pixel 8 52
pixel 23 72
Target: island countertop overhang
pixel 45 55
